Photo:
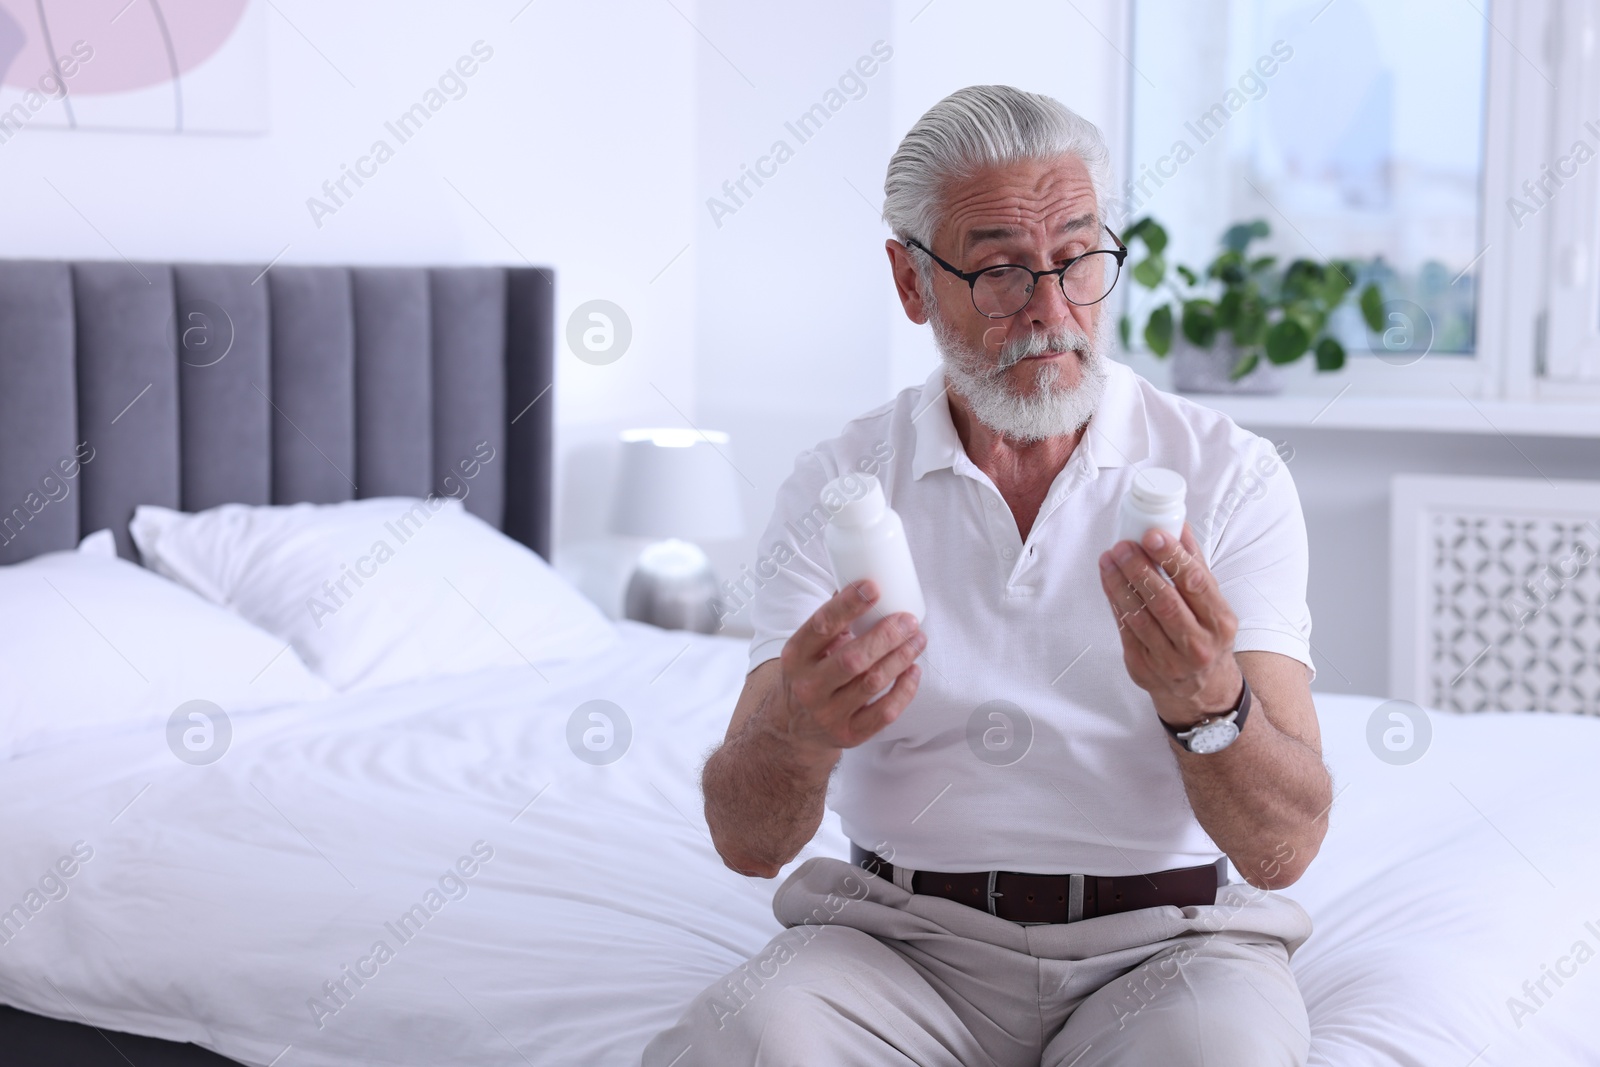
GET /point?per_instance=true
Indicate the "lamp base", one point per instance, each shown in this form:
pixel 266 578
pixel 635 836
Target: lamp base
pixel 673 587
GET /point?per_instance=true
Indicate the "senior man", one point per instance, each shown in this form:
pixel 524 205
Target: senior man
pixel 1079 731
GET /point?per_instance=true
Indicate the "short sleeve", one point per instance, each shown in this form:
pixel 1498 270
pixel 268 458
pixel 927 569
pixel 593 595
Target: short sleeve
pixel 1261 558
pixel 792 577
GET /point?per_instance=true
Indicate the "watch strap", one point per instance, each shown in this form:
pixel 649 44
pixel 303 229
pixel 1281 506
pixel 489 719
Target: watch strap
pixel 1239 712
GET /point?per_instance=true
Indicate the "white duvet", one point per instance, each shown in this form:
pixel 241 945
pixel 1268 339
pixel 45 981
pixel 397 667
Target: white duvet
pixel 428 874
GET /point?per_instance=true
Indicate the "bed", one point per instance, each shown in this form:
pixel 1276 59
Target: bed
pixel 544 904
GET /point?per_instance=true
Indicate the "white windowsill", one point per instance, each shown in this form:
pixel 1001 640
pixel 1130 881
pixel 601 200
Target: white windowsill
pixel 1411 414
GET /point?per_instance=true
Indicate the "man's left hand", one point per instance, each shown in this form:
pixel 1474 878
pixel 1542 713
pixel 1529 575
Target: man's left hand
pixel 1177 637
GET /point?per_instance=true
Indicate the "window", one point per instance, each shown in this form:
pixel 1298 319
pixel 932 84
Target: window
pixel 1356 129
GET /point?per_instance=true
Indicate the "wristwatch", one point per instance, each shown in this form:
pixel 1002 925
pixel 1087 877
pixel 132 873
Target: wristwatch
pixel 1215 732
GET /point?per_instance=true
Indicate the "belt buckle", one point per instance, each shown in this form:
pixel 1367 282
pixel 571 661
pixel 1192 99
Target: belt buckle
pixel 1074 899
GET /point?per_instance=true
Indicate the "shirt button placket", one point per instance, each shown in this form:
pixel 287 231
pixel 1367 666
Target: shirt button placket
pixel 1000 528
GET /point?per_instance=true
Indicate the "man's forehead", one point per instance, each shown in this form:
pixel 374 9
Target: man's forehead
pixel 1062 224
pixel 1055 198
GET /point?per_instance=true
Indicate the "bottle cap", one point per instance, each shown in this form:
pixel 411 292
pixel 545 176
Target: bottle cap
pixel 1155 488
pixel 854 499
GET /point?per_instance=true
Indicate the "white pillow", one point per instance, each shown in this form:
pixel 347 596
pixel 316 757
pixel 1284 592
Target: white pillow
pixel 378 591
pixel 101 543
pixel 89 641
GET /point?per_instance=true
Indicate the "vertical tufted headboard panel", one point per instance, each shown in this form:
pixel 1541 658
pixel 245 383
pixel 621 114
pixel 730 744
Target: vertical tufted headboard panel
pixel 193 385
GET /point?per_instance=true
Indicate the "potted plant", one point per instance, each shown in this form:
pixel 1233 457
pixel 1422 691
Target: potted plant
pixel 1230 325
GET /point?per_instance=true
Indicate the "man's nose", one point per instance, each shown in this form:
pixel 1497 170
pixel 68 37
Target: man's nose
pixel 1049 307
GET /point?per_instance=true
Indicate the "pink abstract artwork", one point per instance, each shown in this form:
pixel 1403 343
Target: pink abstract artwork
pixel 175 66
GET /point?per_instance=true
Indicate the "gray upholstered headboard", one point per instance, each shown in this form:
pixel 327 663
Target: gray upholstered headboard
pixel 192 385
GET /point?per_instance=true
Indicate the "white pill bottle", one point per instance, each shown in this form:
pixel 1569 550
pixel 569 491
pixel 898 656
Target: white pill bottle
pixel 1155 499
pixel 866 539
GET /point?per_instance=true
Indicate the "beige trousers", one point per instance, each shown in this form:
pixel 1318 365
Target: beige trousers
pixel 866 973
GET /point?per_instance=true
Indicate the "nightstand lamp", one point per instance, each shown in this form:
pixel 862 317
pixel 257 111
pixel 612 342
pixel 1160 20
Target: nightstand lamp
pixel 676 487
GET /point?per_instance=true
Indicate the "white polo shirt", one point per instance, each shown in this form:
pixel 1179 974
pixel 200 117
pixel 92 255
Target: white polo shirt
pixel 1027 747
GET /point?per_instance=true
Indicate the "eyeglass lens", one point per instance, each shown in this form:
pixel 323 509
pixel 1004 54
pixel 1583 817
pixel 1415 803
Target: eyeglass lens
pixel 1005 291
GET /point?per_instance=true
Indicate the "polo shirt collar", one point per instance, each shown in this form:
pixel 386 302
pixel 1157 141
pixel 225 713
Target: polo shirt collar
pixel 1117 436
pixel 937 443
pixel 1119 432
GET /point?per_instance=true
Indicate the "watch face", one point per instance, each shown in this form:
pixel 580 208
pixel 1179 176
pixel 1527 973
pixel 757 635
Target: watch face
pixel 1213 737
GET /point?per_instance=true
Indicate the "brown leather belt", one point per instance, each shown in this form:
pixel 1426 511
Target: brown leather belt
pixel 1058 898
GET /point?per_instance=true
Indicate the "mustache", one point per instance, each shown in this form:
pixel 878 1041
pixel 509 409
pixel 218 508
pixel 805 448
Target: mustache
pixel 1038 342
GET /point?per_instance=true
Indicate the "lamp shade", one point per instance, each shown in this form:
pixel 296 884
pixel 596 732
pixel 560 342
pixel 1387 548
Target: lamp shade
pixel 676 483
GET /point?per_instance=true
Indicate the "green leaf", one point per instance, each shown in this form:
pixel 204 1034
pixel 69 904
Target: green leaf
pixel 1238 237
pixel 1149 231
pixel 1200 322
pixel 1251 324
pixel 1149 272
pixel 1262 263
pixel 1246 364
pixel 1287 341
pixel 1158 331
pixel 1302 279
pixel 1124 328
pixel 1228 309
pixel 1188 275
pixel 1335 283
pixel 1229 267
pixel 1330 354
pixel 1372 307
pixel 1310 317
pixel 1155 237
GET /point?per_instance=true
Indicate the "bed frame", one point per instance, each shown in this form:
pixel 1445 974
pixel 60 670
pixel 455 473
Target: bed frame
pixel 192 385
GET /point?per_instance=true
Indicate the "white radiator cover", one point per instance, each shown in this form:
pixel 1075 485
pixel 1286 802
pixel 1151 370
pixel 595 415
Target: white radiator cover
pixel 1495 593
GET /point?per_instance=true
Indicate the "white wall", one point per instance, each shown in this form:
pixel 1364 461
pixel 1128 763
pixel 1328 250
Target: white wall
pixel 574 141
pixel 792 339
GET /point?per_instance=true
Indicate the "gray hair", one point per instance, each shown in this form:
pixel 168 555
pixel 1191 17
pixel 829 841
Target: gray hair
pixel 975 128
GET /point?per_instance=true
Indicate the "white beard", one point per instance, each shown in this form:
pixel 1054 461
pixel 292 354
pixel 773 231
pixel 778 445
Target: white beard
pixel 1046 411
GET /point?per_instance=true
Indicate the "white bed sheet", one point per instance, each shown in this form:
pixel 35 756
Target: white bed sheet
pixel 220 899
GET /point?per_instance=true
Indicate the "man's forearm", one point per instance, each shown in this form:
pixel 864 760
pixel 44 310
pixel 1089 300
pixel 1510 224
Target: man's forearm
pixel 764 799
pixel 1263 800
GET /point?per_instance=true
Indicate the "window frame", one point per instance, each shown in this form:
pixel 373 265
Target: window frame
pixel 1567 360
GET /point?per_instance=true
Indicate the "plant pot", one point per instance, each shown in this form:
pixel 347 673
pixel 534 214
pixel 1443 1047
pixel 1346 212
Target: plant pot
pixel 1205 370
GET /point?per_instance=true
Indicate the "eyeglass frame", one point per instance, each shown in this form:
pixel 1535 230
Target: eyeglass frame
pixel 1120 254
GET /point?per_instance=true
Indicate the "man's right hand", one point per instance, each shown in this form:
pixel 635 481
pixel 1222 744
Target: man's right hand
pixel 829 677
pixel 766 787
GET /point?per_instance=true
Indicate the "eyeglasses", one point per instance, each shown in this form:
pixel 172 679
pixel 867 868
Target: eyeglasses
pixel 1002 291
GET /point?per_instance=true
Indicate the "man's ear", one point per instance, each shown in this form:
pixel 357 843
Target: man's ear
pixel 905 281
